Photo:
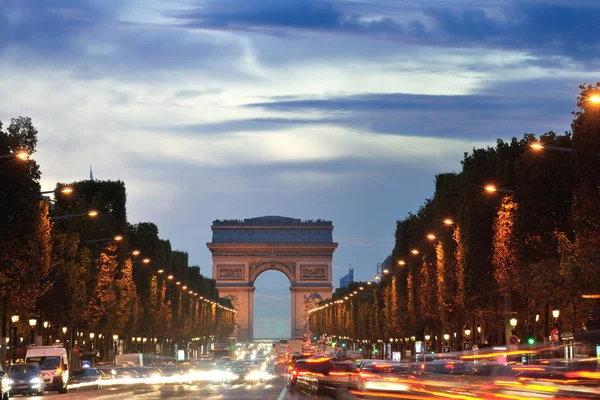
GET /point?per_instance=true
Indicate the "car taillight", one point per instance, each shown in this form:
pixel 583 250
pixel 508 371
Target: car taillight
pixel 295 372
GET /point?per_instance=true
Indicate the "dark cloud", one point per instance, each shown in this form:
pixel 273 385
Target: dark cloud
pixel 299 14
pixel 542 28
pixel 499 110
pixel 245 125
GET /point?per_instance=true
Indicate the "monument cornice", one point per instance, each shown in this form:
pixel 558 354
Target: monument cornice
pixel 272 249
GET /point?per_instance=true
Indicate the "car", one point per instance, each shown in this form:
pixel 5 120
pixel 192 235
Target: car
pixel 86 377
pixel 5 385
pixel 27 379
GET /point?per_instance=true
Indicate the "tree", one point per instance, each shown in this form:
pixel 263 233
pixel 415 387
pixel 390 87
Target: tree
pixel 101 309
pixel 127 307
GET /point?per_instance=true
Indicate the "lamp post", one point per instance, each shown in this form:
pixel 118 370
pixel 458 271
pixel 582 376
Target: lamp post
pixel 513 324
pixel 92 336
pixel 45 325
pixel 32 324
pixel 116 342
pixel 15 320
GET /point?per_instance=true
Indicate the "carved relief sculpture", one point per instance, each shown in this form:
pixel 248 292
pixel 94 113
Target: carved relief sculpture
pixel 310 302
pixel 235 302
pixel 231 272
pixel 313 272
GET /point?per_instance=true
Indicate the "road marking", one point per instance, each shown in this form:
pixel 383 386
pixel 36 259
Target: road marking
pixel 282 394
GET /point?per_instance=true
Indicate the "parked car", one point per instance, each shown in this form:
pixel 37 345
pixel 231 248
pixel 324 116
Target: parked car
pixel 26 378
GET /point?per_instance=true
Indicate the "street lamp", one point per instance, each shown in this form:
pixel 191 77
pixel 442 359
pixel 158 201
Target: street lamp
pixel 431 236
pixel 448 221
pixel 115 342
pixel 401 262
pixel 467 333
pixel 494 189
pixel 21 155
pixel 539 146
pixel 32 324
pixel 91 214
pixel 386 271
pixel 15 321
pixel 415 251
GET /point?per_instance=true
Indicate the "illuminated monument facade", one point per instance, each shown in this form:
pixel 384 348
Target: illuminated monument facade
pixel 301 250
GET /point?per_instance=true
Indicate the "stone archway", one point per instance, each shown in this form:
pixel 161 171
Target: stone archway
pixel 301 250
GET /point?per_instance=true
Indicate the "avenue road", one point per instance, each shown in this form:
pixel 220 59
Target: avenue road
pixel 274 390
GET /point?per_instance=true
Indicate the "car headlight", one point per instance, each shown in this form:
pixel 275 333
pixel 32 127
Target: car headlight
pixel 9 382
pixel 35 380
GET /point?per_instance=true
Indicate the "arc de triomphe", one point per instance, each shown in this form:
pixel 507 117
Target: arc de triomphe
pixel 301 250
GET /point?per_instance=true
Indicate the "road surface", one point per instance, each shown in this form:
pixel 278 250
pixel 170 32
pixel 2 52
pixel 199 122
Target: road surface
pixel 274 390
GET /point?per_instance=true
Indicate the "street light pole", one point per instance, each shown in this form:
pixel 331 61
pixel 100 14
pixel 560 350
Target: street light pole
pixel 15 320
pixel 32 324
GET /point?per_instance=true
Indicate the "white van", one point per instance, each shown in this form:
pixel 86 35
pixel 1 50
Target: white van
pixel 53 363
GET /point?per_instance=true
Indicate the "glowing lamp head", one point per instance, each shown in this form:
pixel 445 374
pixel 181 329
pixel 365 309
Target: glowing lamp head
pixel 14 319
pixel 431 236
pixel 160 271
pixel 64 330
pixel 513 322
pixel 67 190
pixel 92 213
pixel 415 251
pixel 170 277
pixel 386 271
pixel 427 337
pixel 555 313
pixel 490 188
pixel 136 252
pixel 178 283
pixel 448 221
pixel 115 337
pixel 32 322
pixel 467 332
pixel 446 336
pixel 537 146
pixel 118 238
pixel 594 99
pixel 401 262
pixel 23 155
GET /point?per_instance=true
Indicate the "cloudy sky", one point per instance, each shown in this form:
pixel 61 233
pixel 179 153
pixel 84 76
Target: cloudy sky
pixel 336 109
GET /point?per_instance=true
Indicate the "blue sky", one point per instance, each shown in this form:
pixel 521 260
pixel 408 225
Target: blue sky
pixel 343 110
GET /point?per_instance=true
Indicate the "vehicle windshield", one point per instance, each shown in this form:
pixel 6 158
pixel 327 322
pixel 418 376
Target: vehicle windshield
pixel 23 369
pixel 44 362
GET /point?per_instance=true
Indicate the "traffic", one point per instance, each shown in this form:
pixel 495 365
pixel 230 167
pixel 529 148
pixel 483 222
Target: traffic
pixel 300 369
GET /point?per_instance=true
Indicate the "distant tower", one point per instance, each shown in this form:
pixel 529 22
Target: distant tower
pixel 91 174
pixel 346 279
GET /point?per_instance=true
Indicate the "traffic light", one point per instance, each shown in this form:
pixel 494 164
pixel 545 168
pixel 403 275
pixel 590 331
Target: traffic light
pixel 360 349
pixel 531 341
pixel 344 345
pixel 315 337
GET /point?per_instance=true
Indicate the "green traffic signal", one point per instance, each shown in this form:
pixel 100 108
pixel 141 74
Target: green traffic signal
pixel 531 340
pixel 343 344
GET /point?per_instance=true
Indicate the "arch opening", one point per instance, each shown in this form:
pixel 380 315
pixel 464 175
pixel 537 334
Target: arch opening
pixel 272 300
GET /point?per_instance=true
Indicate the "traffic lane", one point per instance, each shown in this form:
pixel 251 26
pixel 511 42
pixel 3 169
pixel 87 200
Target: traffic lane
pixel 270 391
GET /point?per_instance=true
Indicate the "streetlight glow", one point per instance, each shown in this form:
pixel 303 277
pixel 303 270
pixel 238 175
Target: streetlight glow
pixel 537 146
pixel 32 322
pixel 386 271
pixel 160 271
pixel 170 277
pixel 92 213
pixel 118 238
pixel 431 236
pixel 555 313
pixel 146 260
pixel 14 319
pixel 490 188
pixel 467 332
pixel 513 322
pixel 594 99
pixel 67 190
pixel 415 251
pixel 448 221
pixel 401 262
pixel 136 252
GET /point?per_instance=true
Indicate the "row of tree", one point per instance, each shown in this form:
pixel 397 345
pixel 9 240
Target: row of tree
pixel 72 273
pixel 474 258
